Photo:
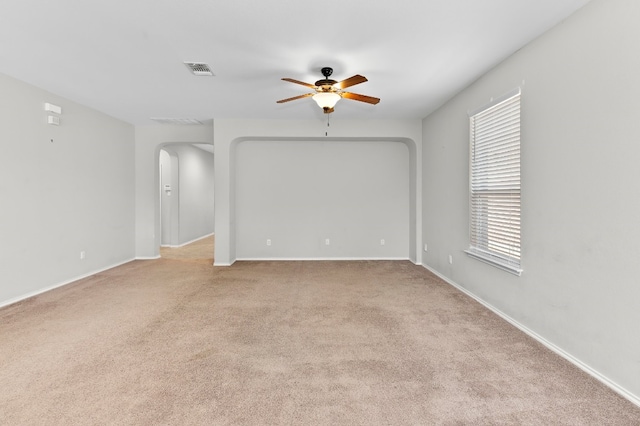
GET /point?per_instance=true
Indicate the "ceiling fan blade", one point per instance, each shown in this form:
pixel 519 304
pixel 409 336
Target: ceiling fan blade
pixel 351 81
pixel 361 98
pixel 306 95
pixel 291 80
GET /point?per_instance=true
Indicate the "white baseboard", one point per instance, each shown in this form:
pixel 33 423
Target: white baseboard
pixel 53 287
pixel 307 259
pixel 575 361
pixel 148 257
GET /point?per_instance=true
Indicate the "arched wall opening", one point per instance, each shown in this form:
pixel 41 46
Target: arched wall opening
pixel 185 193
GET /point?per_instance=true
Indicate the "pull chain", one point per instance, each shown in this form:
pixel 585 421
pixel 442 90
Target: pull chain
pixel 327 133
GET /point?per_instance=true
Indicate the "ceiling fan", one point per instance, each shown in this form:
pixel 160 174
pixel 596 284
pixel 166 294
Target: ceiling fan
pixel 328 92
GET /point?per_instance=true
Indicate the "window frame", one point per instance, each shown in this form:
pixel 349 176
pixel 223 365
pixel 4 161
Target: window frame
pixel 506 195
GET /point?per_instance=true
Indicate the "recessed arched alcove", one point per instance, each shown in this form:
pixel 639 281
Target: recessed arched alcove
pixel 322 198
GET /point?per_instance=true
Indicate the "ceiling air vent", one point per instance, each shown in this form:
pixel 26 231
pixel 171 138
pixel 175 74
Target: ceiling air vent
pixel 184 121
pixel 199 68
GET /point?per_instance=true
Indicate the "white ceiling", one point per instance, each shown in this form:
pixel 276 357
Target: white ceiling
pixel 125 57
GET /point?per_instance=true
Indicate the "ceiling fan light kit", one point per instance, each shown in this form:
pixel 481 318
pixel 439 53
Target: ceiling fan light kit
pixel 328 92
pixel 326 100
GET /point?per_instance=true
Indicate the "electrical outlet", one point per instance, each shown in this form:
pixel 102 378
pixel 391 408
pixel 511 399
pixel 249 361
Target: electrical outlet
pixel 327 242
pixel 450 260
pixel 82 255
pixel 382 242
pixel 425 247
pixel 268 242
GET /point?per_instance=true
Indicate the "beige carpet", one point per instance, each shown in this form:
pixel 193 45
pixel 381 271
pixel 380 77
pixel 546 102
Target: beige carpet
pixel 178 341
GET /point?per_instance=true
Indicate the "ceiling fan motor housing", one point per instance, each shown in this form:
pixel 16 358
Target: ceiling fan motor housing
pixel 326 83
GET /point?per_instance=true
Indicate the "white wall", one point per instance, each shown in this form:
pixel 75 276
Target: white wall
pixel 580 190
pixel 148 142
pixel 169 199
pixel 297 194
pixel 196 184
pixel 65 189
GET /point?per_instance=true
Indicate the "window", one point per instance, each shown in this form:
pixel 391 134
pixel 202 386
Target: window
pixel 494 185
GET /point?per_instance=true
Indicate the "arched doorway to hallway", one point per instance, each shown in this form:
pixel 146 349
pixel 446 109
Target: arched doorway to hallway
pixel 186 195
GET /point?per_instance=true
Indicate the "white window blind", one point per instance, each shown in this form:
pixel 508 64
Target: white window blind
pixel 495 183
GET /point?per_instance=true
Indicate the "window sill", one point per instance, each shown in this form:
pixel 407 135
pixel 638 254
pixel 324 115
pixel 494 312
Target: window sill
pixel 498 263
